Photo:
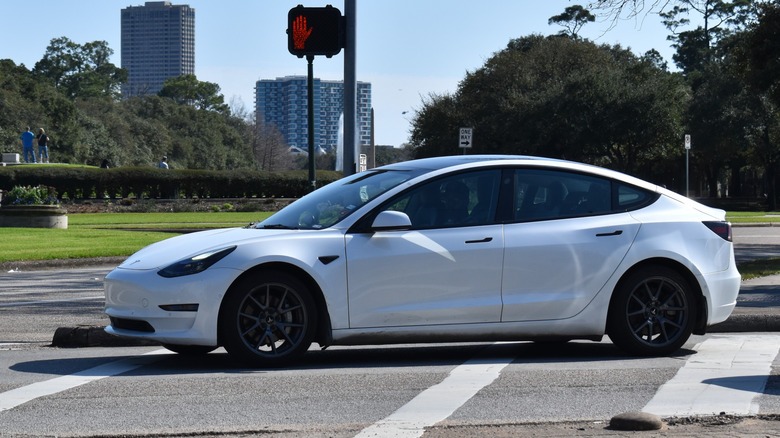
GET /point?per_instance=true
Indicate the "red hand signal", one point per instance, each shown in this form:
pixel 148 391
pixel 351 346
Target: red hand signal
pixel 300 33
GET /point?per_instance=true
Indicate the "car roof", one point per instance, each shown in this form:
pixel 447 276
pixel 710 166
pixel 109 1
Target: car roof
pixel 436 163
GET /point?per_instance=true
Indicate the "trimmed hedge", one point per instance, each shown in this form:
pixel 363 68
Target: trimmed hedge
pixel 73 182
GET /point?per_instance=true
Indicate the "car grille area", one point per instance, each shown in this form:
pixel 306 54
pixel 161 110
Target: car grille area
pixel 131 324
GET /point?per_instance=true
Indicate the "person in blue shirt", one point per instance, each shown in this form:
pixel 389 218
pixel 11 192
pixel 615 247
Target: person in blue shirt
pixel 27 145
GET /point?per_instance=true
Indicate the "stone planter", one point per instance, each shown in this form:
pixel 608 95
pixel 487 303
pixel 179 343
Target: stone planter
pixel 33 216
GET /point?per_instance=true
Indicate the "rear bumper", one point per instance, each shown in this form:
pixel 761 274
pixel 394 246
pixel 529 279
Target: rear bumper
pixel 722 291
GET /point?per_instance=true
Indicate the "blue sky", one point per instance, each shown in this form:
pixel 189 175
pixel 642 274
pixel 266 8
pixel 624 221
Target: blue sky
pixel 407 49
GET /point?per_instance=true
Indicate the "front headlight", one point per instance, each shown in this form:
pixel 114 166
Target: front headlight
pixel 195 264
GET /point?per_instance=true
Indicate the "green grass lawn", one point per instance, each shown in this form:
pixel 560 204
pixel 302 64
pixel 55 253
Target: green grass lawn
pixel 161 220
pixel 109 234
pixel 742 217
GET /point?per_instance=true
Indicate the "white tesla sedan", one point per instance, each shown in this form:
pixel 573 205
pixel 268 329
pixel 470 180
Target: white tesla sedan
pixel 465 248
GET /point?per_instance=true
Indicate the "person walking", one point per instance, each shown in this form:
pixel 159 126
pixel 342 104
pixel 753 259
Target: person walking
pixel 27 145
pixel 163 164
pixel 43 146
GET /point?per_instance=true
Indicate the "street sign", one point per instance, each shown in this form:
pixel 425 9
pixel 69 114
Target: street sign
pixel 687 141
pixel 363 163
pixel 465 137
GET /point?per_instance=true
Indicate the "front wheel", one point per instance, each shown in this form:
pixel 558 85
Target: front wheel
pixel 268 319
pixel 652 312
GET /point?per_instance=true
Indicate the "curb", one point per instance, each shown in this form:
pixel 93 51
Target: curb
pixel 89 336
pixel 758 322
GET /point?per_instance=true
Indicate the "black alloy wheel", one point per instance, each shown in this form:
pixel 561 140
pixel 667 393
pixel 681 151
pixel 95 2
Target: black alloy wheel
pixel 268 319
pixel 652 312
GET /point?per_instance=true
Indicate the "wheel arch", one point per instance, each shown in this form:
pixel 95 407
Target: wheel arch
pixel 700 324
pixel 323 334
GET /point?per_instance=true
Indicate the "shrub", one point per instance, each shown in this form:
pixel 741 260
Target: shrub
pixel 28 195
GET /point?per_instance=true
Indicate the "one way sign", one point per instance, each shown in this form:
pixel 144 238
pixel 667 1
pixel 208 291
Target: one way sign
pixel 465 137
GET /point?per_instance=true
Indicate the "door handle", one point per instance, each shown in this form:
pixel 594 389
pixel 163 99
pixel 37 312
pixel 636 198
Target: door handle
pixel 614 233
pixel 485 240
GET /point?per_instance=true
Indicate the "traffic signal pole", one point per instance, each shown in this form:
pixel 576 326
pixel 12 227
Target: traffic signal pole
pixel 350 89
pixel 310 97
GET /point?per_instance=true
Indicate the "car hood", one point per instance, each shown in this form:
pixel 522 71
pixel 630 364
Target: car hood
pixel 161 254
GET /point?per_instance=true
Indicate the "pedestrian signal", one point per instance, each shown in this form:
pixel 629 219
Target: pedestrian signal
pixel 314 31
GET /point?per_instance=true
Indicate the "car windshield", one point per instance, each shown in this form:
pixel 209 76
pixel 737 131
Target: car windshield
pixel 330 204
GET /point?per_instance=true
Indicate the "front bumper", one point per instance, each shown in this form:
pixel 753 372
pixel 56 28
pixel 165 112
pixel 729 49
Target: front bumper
pixel 134 297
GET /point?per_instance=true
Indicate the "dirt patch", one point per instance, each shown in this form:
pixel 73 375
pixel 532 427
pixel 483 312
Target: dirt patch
pixel 42 265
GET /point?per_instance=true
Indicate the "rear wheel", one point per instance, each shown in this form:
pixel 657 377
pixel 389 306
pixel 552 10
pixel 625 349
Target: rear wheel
pixel 652 312
pixel 268 319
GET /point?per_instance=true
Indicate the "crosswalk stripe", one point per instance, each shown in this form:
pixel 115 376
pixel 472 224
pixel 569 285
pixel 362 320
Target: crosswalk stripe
pixel 15 397
pixel 438 402
pixel 725 375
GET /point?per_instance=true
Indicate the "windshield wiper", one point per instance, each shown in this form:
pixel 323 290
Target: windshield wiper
pixel 279 227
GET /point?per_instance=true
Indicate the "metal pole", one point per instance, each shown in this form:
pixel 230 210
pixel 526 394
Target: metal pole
pixel 350 88
pixel 687 191
pixel 310 97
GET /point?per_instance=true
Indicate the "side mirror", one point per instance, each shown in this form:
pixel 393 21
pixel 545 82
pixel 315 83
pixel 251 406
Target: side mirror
pixel 391 220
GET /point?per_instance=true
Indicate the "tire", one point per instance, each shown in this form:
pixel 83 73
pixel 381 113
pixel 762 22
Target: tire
pixel 190 350
pixel 268 320
pixel 652 312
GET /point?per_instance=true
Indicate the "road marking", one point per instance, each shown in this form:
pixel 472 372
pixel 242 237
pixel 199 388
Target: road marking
pixel 438 402
pixel 15 397
pixel 66 300
pixel 724 375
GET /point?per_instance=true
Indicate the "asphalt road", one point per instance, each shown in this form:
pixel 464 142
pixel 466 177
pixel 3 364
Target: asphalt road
pixel 752 243
pixel 343 391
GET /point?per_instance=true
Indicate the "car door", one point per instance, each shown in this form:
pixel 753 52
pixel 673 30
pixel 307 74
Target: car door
pixel 446 269
pixel 563 245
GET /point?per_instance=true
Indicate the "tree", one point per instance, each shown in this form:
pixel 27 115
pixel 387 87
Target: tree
pixel 756 56
pixel 572 19
pixel 631 9
pixel 435 126
pixel 719 19
pixel 187 89
pixel 270 150
pixel 25 100
pixel 81 71
pixel 759 52
pixel 561 98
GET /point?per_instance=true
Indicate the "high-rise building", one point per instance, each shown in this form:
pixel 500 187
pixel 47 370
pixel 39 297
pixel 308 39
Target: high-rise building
pixel 283 102
pixel 158 42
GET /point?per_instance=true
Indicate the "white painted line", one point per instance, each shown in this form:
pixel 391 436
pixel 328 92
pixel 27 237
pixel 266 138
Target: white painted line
pixel 438 402
pixel 725 375
pixel 15 397
pixel 65 300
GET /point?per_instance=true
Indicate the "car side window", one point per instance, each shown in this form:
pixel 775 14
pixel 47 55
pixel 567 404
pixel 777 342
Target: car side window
pixel 631 198
pixel 463 199
pixel 544 194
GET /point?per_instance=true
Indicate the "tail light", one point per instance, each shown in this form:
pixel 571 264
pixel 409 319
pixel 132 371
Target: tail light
pixel 721 228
